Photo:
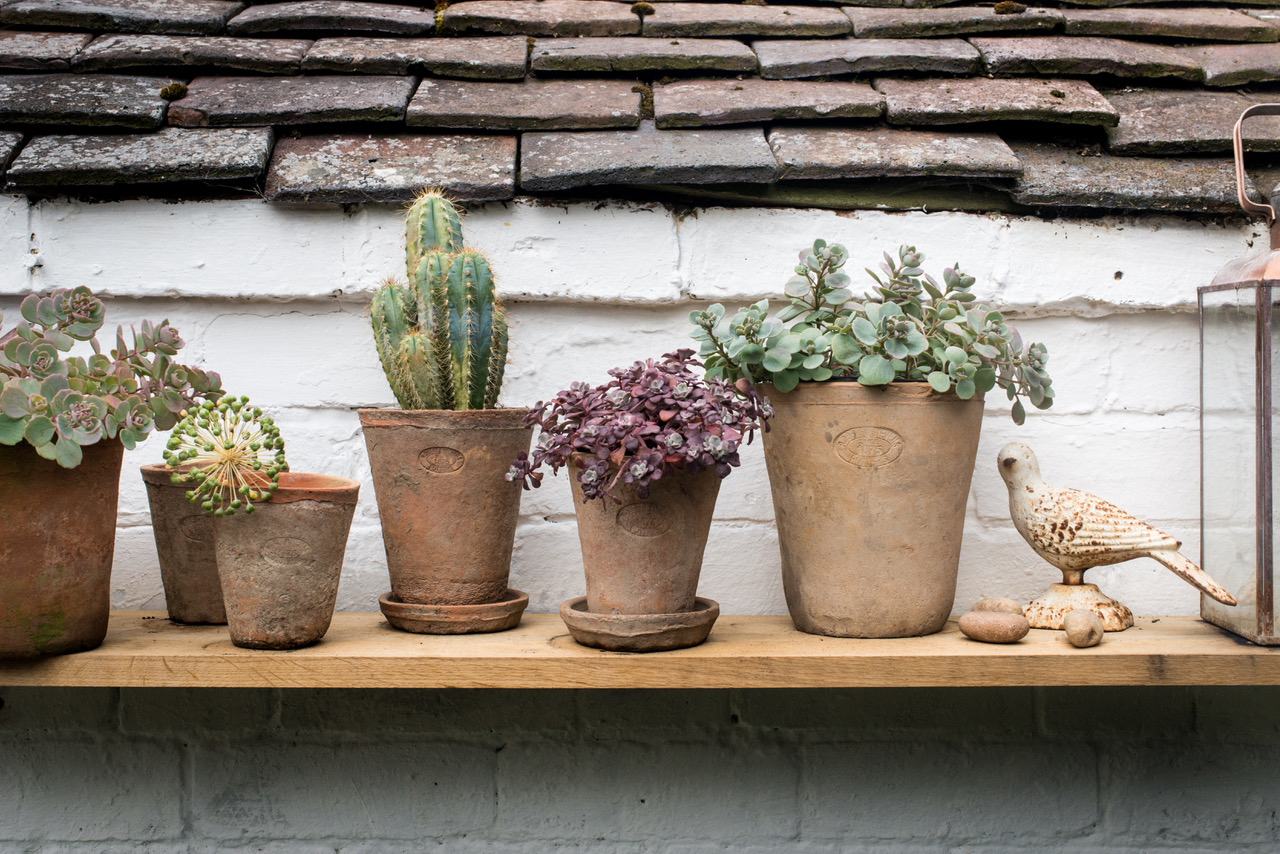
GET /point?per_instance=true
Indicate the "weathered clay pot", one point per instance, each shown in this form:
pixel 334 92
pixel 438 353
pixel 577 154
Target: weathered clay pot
pixel 280 565
pixel 869 490
pixel 184 544
pixel 448 516
pixel 57 538
pixel 644 556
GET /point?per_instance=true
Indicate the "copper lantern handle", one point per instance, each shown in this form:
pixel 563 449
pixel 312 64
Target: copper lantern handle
pixel 1249 205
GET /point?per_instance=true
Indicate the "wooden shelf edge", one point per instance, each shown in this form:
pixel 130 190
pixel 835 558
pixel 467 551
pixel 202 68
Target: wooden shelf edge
pixel 144 649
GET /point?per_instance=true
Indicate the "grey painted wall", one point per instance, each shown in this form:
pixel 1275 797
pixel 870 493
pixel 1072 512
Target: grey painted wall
pixel 910 770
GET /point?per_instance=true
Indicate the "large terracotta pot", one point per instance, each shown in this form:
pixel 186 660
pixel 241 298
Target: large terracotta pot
pixel 280 565
pixel 644 556
pixel 57 538
pixel 869 491
pixel 184 544
pixel 448 516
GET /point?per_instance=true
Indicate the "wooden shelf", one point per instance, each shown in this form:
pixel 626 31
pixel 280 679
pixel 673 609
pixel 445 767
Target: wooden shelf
pixel 144 649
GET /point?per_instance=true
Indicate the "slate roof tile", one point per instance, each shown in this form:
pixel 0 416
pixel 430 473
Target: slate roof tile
pixel 526 105
pixel 952 21
pixel 175 17
pixel 232 101
pixel 966 100
pixel 791 59
pixel 74 100
pixel 170 154
pixel 545 18
pixel 332 16
pixel 878 152
pixel 683 20
pixel 1084 57
pixel 10 142
pixel 1197 24
pixel 633 55
pixel 1237 65
pixel 267 56
pixel 694 103
pixel 350 168
pixel 1170 121
pixel 28 51
pixel 485 58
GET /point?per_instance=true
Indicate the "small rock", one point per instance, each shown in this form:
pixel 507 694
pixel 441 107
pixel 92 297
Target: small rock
pixel 1000 605
pixel 994 626
pixel 1083 628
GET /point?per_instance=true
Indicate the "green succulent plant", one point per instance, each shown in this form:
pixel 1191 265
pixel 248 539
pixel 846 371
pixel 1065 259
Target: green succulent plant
pixel 906 328
pixel 230 453
pixel 442 337
pixel 59 403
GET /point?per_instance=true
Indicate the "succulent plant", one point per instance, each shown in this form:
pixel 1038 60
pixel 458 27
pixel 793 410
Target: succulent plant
pixel 230 453
pixel 651 419
pixel 60 403
pixel 442 337
pixel 908 327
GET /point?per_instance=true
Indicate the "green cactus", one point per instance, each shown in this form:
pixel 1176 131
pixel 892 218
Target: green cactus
pixel 442 337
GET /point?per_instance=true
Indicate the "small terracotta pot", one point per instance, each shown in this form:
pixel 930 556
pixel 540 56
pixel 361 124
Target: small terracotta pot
pixel 644 556
pixel 280 565
pixel 57 539
pixel 448 516
pixel 869 490
pixel 184 544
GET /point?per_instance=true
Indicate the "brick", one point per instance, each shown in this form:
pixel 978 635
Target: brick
pixel 691 103
pixel 720 19
pixel 170 154
pixel 496 58
pixel 981 100
pixel 28 51
pixel 1110 713
pixel 957 21
pixel 631 55
pixel 1197 24
pixel 399 790
pixel 175 17
pixel 546 18
pixel 559 161
pixel 1053 175
pixel 1162 122
pixel 362 168
pixel 526 105
pixel 177 712
pixel 269 56
pixel 74 100
pixel 1081 56
pixel 341 16
pixel 865 56
pixel 377 714
pixel 1237 65
pixel 807 153
pixel 34 711
pixel 224 101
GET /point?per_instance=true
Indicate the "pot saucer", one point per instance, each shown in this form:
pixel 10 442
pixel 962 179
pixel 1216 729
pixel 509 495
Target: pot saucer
pixel 455 619
pixel 639 632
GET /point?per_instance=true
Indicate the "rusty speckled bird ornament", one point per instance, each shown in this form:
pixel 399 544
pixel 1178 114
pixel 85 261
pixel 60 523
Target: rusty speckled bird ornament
pixel 1075 531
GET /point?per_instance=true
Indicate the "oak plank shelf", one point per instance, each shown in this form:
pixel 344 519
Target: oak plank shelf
pixel 144 649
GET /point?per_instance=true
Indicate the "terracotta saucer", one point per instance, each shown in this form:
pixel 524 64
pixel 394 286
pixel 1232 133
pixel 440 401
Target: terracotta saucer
pixel 639 632
pixel 455 619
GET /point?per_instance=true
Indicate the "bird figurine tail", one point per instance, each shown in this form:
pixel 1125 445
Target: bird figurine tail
pixel 1193 575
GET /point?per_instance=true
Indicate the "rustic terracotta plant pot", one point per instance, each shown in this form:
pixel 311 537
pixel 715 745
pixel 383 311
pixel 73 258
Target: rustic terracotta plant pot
pixel 57 538
pixel 869 491
pixel 184 544
pixel 280 565
pixel 644 556
pixel 448 516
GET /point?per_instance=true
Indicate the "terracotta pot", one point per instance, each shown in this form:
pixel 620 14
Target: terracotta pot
pixel 57 538
pixel 280 565
pixel 448 516
pixel 184 544
pixel 869 491
pixel 644 556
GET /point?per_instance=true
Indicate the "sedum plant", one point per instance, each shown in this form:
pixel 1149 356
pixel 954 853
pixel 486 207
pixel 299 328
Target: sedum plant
pixel 60 403
pixel 651 419
pixel 442 337
pixel 229 452
pixel 908 327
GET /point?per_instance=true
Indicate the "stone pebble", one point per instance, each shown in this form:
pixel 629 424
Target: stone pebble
pixel 1000 605
pixel 994 626
pixel 1083 628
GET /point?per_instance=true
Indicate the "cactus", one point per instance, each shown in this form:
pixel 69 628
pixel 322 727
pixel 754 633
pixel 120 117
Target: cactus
pixel 442 337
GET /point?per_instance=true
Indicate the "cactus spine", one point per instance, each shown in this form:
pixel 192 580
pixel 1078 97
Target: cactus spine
pixel 442 337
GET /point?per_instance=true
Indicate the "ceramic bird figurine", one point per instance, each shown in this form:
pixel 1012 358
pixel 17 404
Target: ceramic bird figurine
pixel 1075 531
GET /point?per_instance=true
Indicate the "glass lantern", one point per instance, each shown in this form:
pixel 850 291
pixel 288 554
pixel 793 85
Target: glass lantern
pixel 1239 340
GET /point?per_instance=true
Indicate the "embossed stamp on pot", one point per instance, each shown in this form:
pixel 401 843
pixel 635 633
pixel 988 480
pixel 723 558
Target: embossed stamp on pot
pixel 869 447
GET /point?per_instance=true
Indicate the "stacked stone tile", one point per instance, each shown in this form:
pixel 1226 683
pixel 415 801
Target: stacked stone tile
pixel 1082 104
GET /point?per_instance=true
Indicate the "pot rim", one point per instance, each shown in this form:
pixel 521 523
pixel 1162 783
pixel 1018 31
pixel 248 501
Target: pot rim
pixel 305 486
pixel 472 419
pixel 904 390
